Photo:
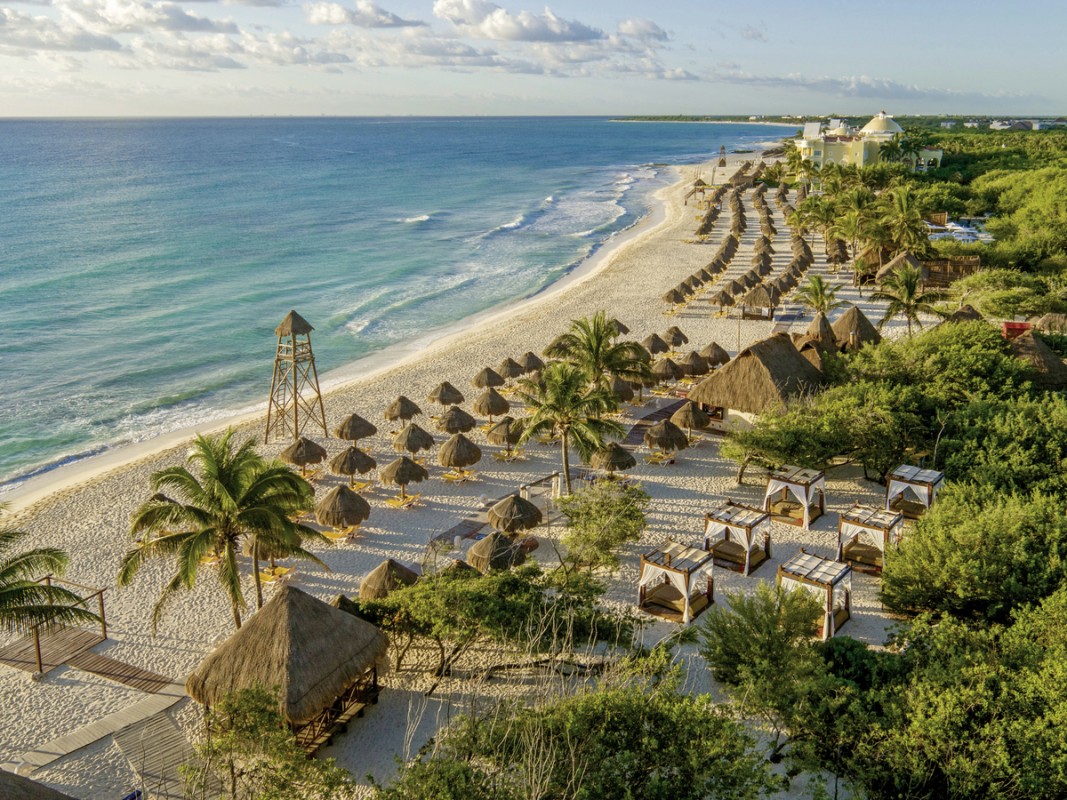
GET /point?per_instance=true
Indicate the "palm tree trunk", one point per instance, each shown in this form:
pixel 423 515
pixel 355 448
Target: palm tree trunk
pixel 566 460
pixel 255 574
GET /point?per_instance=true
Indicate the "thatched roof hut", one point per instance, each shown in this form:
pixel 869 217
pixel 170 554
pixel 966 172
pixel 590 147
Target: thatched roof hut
pixel 312 651
pixel 901 260
pixel 293 325
pixel 15 787
pixel 818 333
pixel 965 313
pixel 761 296
pixel 495 551
pixel 384 578
pixel 759 379
pixel 1051 323
pixel 1049 369
pixel 852 330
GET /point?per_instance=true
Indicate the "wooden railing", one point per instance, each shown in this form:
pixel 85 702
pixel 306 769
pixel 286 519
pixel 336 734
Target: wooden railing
pixel 50 580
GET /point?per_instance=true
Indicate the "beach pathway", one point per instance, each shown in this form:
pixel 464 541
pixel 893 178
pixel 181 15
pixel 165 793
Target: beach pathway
pixel 156 748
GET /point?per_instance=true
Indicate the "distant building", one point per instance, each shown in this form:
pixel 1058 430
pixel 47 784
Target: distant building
pixel 844 145
pixel 948 123
pixel 971 123
pixel 999 125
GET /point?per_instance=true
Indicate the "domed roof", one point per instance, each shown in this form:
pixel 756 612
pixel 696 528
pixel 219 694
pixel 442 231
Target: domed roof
pixel 882 123
pixel 841 130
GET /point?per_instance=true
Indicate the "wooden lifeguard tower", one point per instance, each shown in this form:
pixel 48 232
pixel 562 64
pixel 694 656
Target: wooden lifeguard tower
pixel 295 398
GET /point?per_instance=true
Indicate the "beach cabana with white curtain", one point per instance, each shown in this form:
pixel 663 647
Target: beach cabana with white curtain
pixel 806 486
pixel 738 536
pixel 677 582
pixel 864 533
pixel 830 582
pixel 912 490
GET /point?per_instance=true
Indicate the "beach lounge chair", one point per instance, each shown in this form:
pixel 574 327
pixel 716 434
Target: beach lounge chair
pixel 658 457
pixel 460 475
pixel 507 458
pixel 409 501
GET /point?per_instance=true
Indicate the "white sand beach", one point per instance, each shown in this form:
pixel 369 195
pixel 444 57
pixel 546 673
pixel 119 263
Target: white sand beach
pixel 86 510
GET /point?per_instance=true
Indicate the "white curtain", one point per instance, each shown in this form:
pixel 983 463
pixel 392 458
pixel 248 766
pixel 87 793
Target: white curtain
pixel 651 573
pixel 897 488
pixel 850 529
pixel 803 497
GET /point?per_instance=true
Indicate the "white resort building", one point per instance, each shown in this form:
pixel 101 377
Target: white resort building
pixel 838 143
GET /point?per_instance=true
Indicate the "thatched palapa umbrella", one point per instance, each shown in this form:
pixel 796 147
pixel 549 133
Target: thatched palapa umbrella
pixel 514 514
pixel 459 452
pixel 621 389
pixel 722 299
pixel 674 336
pixel 402 472
pixel 667 370
pixel 446 395
pixel 620 328
pixel 530 362
pixel 495 551
pixel 491 403
pixel 715 355
pixel 354 428
pixel 666 436
pixel 412 439
pixel 506 433
pixel 852 330
pixel 691 417
pixel 654 344
pixel 313 653
pixel 303 452
pixel 735 288
pixel 613 457
pixel 341 508
pixel 486 378
pixel 351 461
pixel 694 364
pixel 510 368
pixel 674 297
pixel 402 409
pixel 456 420
pixel 15 787
pixel 384 578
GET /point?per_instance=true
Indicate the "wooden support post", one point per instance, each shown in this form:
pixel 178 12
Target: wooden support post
pixel 37 649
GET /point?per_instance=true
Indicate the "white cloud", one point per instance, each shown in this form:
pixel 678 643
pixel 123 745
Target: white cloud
pixel 133 16
pixel 644 29
pixel 365 14
pixel 753 34
pixel 483 20
pixel 23 32
pixel 205 54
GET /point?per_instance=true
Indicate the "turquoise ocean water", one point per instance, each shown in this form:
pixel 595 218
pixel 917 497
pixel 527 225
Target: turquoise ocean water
pixel 144 264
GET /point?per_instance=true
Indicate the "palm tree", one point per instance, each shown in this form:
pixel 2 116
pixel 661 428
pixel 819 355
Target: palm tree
pixel 819 296
pixel 563 404
pixel 849 226
pixel 903 292
pixel 904 223
pixel 591 347
pixel 26 602
pixel 237 497
pixel 889 152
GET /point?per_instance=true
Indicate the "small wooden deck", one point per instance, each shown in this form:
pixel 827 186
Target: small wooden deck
pixel 636 435
pixel 57 648
pixel 120 672
pixel 156 749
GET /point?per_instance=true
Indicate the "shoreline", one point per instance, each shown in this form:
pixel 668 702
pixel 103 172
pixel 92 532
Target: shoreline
pixel 85 470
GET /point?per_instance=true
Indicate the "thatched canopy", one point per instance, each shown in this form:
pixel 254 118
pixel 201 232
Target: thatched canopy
pixel 715 355
pixel 667 436
pixel 674 336
pixel 491 403
pixel 303 452
pixel 495 551
pixel 412 439
pixel 456 420
pixel 684 289
pixel 15 787
pixel 384 578
pixel 694 364
pixel 506 432
pixel 965 313
pixel 352 461
pixel 852 330
pixel 446 395
pixel 514 513
pixel 704 275
pixel 691 417
pixel 613 457
pixel 621 389
pixel 459 452
pixel 1051 323
pixel 901 260
pixel 1049 369
pixel 354 428
pixel 654 344
pixel 761 296
pixel 341 508
pixel 510 368
pixel 530 362
pixel 402 472
pixel 674 297
pixel 486 378
pixel 620 328
pixel 760 378
pixel 309 649
pixel 722 299
pixel 402 408
pixel 666 370
pixel 293 325
pixel 820 333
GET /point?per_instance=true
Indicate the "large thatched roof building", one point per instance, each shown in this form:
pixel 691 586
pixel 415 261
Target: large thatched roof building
pixel 852 330
pixel 314 653
pixel 902 260
pixel 759 379
pixel 15 787
pixel 1049 369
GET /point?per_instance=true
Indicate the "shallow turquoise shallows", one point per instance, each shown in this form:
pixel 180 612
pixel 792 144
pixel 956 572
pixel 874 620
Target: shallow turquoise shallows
pixel 144 264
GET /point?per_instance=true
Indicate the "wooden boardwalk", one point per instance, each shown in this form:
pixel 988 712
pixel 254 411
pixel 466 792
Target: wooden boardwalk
pixel 156 749
pixel 636 436
pixel 120 672
pixel 57 648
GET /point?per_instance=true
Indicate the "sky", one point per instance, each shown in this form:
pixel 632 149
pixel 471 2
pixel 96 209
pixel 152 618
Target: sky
pixel 498 57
